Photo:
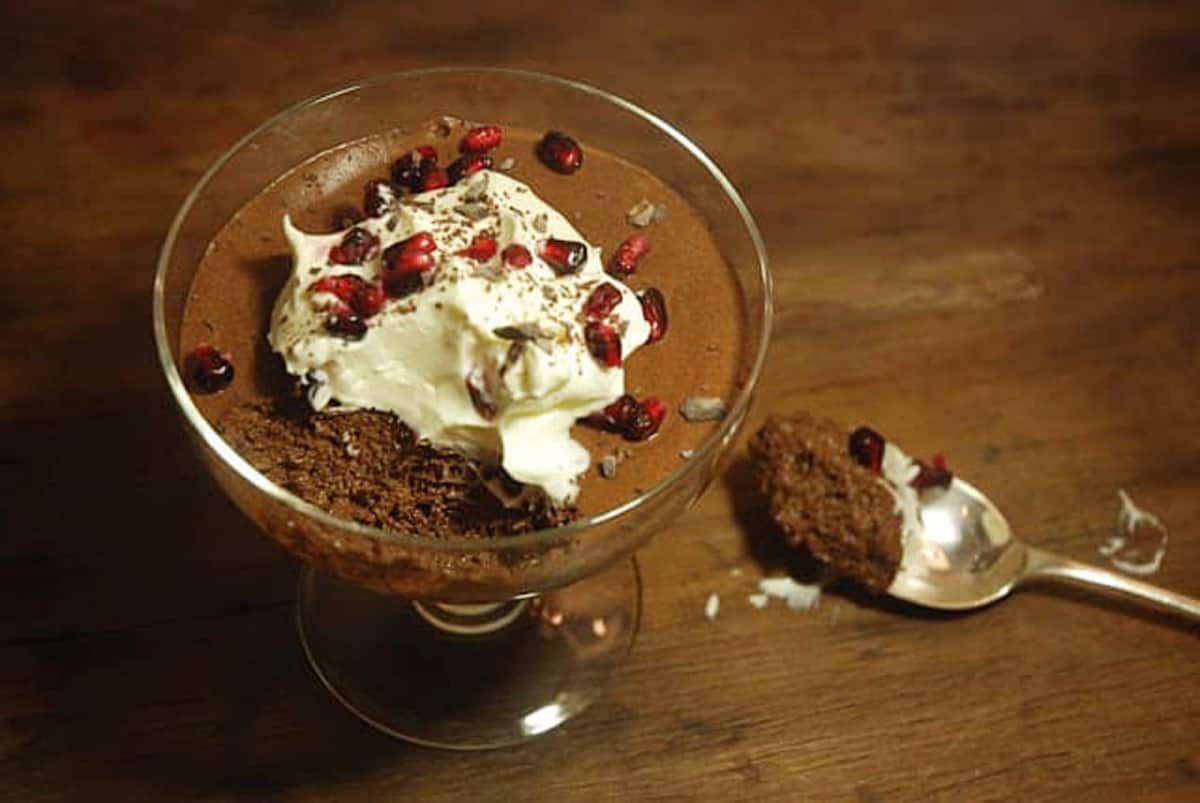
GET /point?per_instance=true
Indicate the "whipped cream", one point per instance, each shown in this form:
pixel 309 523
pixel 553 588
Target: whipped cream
pixel 897 471
pixel 514 334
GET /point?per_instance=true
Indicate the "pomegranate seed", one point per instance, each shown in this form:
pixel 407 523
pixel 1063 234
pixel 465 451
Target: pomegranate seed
pixel 480 397
pixel 399 284
pixel 378 197
pixel 421 242
pixel 433 178
pixel 209 370
pixel 406 171
pixel 356 247
pixel 560 153
pixel 361 297
pixel 405 261
pixel 370 300
pixel 625 259
pixel 517 256
pixel 647 420
pixel 564 256
pixel 340 286
pixel 654 310
pixel 406 254
pixel 928 476
pixel 347 323
pixel 411 262
pixel 481 249
pixel 604 343
pixel 866 447
pixel 467 165
pixel 616 416
pixel 481 138
pixel 601 302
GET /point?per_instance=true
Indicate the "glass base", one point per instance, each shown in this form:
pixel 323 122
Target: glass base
pixel 468 677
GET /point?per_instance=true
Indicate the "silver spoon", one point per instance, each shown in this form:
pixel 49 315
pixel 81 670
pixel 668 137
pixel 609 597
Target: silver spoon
pixel 964 556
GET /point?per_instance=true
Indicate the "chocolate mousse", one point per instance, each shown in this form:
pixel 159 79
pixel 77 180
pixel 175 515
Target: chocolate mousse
pixel 827 501
pixel 370 466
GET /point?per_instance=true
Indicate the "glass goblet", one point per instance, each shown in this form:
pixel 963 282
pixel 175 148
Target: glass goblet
pixel 444 641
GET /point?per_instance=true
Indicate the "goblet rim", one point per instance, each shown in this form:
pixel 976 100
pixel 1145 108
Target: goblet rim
pixel 550 536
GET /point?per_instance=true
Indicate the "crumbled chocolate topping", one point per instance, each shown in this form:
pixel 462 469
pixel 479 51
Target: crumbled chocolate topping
pixel 369 467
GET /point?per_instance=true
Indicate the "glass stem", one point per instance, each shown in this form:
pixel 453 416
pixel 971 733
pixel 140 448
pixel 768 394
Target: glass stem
pixel 471 620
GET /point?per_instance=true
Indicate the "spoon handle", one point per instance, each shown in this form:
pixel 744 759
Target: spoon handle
pixel 1042 564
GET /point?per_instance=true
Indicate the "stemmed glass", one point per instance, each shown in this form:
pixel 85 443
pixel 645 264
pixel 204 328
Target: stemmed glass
pixel 449 642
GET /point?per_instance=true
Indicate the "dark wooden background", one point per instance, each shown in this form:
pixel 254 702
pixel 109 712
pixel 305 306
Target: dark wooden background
pixel 983 223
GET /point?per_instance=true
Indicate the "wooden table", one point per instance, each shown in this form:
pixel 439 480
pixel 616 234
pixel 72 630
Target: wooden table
pixel 983 224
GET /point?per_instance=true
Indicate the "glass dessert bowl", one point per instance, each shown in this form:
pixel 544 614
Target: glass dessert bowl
pixel 465 642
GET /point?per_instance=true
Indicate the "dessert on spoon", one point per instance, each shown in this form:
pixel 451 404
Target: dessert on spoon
pixel 908 528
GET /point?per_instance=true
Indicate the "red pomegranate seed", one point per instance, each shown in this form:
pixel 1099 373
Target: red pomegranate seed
pixel 467 165
pixel 625 259
pixel 378 197
pixel 654 310
pixel 604 343
pixel 422 241
pixel 603 300
pixel 648 419
pixel 407 254
pixel 340 286
pixel 410 262
pixel 564 256
pixel 481 138
pixel 560 153
pixel 357 246
pixel 406 171
pixel 482 400
pixel 866 447
pixel 370 301
pixel 517 256
pixel 363 298
pixel 433 178
pixel 481 249
pixel 405 261
pixel 209 370
pixel 616 416
pixel 401 283
pixel 347 323
pixel 937 474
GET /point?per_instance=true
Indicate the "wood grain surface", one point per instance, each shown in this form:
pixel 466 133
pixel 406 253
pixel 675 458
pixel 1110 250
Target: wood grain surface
pixel 982 220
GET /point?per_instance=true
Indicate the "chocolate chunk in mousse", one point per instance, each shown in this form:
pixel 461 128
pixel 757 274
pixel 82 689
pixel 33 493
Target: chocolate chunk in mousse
pixel 826 502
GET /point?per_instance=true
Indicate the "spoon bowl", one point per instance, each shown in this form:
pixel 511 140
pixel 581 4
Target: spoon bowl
pixel 964 556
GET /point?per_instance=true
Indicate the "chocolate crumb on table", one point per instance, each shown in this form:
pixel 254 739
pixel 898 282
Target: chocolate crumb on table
pixel 824 501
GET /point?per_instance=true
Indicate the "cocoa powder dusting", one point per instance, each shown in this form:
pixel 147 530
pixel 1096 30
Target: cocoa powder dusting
pixel 369 467
pixel 826 502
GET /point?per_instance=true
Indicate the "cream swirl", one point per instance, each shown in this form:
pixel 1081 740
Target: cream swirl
pixel 485 358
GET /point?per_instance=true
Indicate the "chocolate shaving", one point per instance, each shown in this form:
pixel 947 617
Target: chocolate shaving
pixel 512 357
pixel 523 332
pixel 481 397
pixel 702 408
pixel 474 211
pixel 641 214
